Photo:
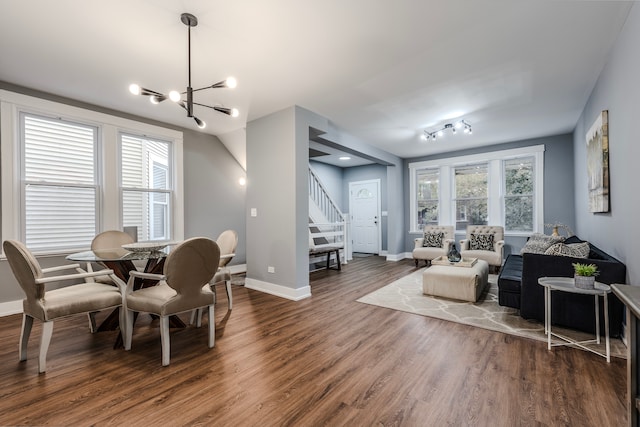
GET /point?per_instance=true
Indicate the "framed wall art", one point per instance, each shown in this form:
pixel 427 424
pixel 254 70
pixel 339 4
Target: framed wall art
pixel 598 163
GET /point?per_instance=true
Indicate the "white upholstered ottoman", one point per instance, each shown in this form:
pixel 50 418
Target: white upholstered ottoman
pixel 461 283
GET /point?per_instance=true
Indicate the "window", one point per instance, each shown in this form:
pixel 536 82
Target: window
pixel 471 190
pixel 64 179
pixel 59 181
pixel 498 188
pixel 518 194
pixel 428 195
pixel 146 186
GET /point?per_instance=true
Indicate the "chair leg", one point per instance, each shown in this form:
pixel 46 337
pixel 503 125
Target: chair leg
pixel 128 329
pixel 212 327
pixel 27 323
pixel 338 259
pixel 164 340
pixel 227 284
pixel 47 331
pixel 92 321
pixel 416 261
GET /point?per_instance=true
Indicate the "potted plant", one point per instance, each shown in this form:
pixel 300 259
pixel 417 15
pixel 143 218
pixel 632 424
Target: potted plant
pixel 585 275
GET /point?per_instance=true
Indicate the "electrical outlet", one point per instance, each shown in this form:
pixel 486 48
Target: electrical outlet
pixel 271 269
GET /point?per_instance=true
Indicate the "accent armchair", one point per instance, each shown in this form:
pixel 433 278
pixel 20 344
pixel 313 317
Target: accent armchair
pixel 435 242
pixel 484 242
pixel 49 305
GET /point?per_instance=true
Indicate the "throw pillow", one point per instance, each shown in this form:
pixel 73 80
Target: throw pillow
pixel 433 240
pixel 538 243
pixel 481 242
pixel 575 250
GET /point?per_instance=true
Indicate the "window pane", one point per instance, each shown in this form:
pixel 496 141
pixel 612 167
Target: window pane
pixel 518 213
pixel 518 176
pixel 138 156
pixel 149 211
pixel 470 212
pixel 471 181
pixel 427 213
pixel 58 151
pixel 428 183
pixel 59 217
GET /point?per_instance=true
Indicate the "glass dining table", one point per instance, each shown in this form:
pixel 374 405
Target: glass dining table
pixel 121 261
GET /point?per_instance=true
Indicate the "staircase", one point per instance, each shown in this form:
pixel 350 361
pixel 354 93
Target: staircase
pixel 327 225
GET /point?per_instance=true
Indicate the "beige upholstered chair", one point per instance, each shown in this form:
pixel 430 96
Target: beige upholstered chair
pixel 228 242
pixel 48 305
pixel 478 233
pixel 428 253
pixel 182 287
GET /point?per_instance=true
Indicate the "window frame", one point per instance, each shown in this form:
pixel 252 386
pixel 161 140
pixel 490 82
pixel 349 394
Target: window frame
pixel 496 186
pixel 12 104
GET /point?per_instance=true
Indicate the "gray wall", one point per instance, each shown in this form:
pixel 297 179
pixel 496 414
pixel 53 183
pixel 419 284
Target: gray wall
pixel 213 199
pixel 558 183
pixel 617 90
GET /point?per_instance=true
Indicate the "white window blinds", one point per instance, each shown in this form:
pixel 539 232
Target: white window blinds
pixel 60 183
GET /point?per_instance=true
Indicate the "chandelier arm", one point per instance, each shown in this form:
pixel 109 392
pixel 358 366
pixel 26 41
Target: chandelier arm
pixel 214 86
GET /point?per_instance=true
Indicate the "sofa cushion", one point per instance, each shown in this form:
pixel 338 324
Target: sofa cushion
pixel 432 240
pixel 538 243
pixel 481 242
pixel 576 250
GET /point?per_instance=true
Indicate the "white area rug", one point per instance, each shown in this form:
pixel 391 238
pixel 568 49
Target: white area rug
pixel 405 294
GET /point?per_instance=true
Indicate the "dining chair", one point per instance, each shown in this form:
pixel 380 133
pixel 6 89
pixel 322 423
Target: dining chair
pixel 181 288
pixel 49 305
pixel 227 241
pixel 109 239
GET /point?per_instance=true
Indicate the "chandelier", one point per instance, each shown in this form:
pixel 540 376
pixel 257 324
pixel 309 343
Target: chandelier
pixel 156 97
pixel 447 127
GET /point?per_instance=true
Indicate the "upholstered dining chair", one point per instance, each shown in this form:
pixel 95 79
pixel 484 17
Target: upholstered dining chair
pixel 49 305
pixel 228 242
pixel 183 287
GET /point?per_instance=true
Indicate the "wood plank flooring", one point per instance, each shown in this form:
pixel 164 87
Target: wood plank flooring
pixel 326 360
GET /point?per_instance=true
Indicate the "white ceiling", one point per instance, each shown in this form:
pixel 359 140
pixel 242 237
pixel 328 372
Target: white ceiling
pixel 382 71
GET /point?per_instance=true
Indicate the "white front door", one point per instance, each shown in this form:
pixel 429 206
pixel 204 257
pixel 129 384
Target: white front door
pixel 364 209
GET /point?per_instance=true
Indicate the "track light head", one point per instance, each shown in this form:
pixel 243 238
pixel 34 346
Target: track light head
pixel 449 126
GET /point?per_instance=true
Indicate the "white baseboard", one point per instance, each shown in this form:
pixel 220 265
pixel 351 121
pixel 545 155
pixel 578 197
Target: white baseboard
pixel 399 257
pixel 278 290
pixel 238 268
pixel 10 307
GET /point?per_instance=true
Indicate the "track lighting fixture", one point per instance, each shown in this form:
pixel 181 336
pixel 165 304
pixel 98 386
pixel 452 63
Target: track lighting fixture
pixel 438 133
pixel 156 97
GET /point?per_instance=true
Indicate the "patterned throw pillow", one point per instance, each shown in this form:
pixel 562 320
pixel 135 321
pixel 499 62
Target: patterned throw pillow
pixel 433 240
pixel 538 243
pixel 575 250
pixel 481 242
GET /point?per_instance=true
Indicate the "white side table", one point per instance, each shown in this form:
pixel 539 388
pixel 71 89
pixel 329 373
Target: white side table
pixel 566 284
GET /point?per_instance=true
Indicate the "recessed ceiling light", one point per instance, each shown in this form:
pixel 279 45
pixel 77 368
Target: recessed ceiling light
pixel 344 158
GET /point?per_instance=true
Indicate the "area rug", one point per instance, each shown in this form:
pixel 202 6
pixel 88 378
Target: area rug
pixel 405 294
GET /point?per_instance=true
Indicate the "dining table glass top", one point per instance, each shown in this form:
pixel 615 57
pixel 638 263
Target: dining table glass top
pixel 117 254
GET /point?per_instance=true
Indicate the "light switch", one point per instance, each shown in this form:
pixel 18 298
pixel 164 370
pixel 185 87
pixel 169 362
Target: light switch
pixel 254 212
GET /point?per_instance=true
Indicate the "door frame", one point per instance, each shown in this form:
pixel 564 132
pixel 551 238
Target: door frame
pixel 378 210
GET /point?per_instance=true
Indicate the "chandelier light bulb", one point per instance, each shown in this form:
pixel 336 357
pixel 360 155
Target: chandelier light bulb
pixel 235 112
pixel 154 100
pixel 231 82
pixel 174 95
pixel 458 125
pixel 440 133
pixel 134 89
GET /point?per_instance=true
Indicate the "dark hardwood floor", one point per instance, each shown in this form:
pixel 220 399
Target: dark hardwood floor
pixel 326 360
